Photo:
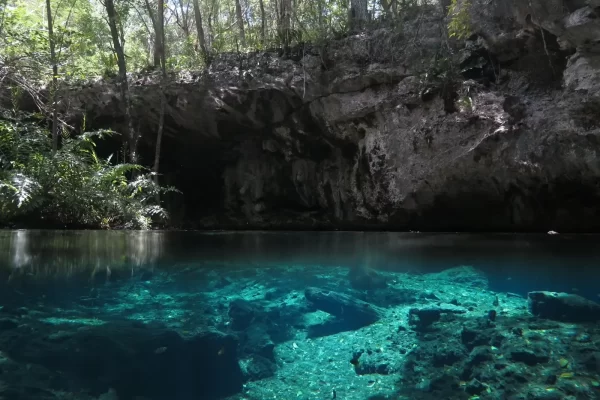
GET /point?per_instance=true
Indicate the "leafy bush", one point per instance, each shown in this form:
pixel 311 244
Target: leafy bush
pixel 459 25
pixel 72 186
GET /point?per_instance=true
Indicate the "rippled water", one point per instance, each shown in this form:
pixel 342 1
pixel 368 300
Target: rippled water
pixel 210 315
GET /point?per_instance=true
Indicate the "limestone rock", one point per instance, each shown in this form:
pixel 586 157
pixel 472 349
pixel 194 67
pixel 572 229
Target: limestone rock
pixel 563 307
pixel 343 306
pixel 583 73
pixel 353 134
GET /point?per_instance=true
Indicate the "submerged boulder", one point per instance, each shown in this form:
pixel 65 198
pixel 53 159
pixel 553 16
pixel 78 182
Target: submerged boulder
pixel 242 313
pixel 363 278
pixel 530 355
pixel 563 307
pixel 343 306
pixel 422 317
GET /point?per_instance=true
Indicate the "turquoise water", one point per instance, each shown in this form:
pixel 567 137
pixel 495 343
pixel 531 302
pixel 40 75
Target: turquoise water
pixel 298 315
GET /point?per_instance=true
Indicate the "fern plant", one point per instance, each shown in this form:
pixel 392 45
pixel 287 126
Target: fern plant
pixel 72 186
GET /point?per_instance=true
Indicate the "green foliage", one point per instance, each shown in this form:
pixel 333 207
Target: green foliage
pixel 84 44
pixel 73 186
pixel 82 40
pixel 24 44
pixel 459 25
pixel 442 70
pixel 465 103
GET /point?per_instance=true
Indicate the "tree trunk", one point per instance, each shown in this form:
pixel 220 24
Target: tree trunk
pixel 123 85
pixel 385 5
pixel 163 82
pixel 213 20
pixel 209 36
pixel 285 19
pixel 240 21
pixel 320 10
pixel 54 78
pixel 185 22
pixel 358 14
pixel 200 30
pixel 390 8
pixel 156 59
pixel 292 15
pixel 155 25
pixel 263 21
pixel 160 32
pixel 445 4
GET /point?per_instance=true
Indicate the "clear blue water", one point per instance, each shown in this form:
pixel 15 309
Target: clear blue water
pixel 281 315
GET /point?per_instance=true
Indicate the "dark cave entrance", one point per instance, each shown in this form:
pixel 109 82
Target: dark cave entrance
pixel 196 170
pixel 192 165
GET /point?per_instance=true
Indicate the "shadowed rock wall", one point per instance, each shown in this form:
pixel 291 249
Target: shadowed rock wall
pixel 371 131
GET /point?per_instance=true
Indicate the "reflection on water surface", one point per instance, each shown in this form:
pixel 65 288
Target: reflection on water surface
pixel 64 253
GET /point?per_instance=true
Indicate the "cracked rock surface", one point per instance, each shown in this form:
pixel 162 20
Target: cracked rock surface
pixel 366 132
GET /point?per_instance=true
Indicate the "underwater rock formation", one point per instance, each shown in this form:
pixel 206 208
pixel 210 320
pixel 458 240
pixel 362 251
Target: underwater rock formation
pixel 133 359
pixel 368 131
pixel 437 343
pixel 343 306
pixel 563 307
pixel 422 318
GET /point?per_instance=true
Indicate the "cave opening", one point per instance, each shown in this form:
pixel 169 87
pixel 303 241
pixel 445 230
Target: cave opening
pixel 196 172
pixel 194 166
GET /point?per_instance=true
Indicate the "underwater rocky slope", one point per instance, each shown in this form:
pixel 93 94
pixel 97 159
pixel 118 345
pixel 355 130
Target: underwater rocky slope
pixel 379 130
pixel 229 332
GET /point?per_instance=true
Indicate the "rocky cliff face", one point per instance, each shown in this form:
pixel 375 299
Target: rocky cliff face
pixel 377 130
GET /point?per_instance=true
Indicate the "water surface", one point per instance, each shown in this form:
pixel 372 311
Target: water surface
pixel 515 262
